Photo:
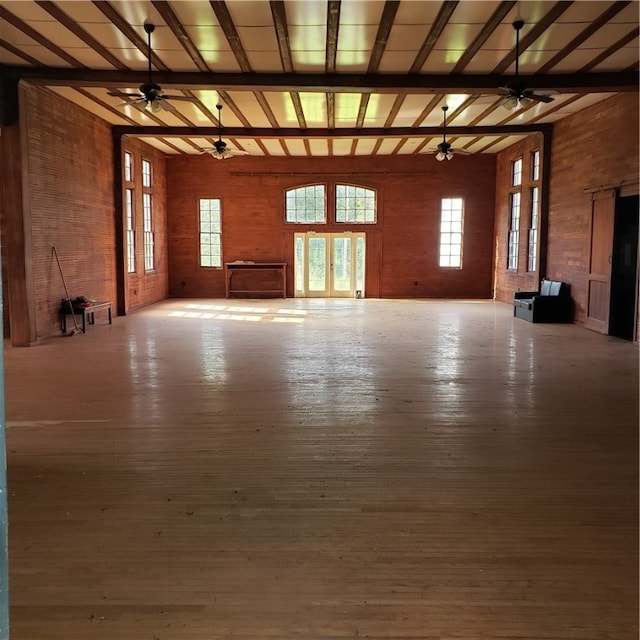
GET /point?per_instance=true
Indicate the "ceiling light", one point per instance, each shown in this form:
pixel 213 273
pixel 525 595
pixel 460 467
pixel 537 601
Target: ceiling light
pixel 440 156
pixel 511 103
pixel 154 106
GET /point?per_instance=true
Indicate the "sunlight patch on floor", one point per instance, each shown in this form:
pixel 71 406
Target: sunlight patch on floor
pixel 244 313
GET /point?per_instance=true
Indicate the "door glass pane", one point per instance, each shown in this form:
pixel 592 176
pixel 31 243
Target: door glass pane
pixel 317 264
pixel 299 262
pixel 360 264
pixel 342 264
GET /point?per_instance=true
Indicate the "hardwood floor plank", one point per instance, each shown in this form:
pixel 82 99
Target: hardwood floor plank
pixel 204 470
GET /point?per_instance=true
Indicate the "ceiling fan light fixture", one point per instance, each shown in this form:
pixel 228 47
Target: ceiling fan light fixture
pixel 511 103
pixel 154 106
pixel 440 156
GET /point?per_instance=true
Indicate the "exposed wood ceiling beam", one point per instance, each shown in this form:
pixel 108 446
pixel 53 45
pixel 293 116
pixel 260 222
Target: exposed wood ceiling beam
pixel 40 39
pixel 130 33
pixel 54 11
pixel 19 54
pixel 382 36
pixel 497 17
pixel 448 7
pixel 173 22
pixel 373 132
pixel 536 31
pixel 333 24
pixel 630 37
pixel 279 15
pixel 229 29
pixel 619 81
pixel 599 22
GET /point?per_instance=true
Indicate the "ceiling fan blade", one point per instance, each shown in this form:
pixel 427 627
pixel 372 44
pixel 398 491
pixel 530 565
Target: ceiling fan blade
pixel 539 97
pixel 167 106
pixel 183 98
pixel 122 94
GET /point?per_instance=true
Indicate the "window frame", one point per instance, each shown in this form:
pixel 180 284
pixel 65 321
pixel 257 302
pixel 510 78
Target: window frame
pixel 147 176
pixel 365 192
pixel 513 240
pixel 450 232
pixel 149 240
pixel 516 172
pixel 300 188
pixel 534 226
pixel 218 233
pixel 130 226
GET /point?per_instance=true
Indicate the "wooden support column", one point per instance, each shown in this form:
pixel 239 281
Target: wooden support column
pixel 120 227
pixel 547 136
pixel 17 247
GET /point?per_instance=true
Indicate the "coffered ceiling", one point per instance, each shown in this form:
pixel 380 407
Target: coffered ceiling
pixel 317 77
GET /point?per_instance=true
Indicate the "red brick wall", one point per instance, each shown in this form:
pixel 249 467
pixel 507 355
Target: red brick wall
pixel 144 287
pixel 507 281
pixel 69 203
pixel 597 146
pixel 401 249
pixel 69 197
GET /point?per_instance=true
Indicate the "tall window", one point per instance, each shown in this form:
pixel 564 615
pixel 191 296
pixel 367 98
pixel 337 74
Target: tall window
pixel 128 167
pixel 532 261
pixel 129 199
pixel 131 233
pixel 210 233
pixel 306 205
pixel 355 204
pixel 451 232
pixel 535 165
pixel 147 212
pixel 516 172
pixel 146 173
pixel 514 226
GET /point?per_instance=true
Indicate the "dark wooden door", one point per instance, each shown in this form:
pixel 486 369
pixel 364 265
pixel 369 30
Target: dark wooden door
pixel 599 272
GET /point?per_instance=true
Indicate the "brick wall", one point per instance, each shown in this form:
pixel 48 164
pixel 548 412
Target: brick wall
pixel 597 146
pixel 401 249
pixel 69 199
pixel 144 287
pixel 68 203
pixel 521 279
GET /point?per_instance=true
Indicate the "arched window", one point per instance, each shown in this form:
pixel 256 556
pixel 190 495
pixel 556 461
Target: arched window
pixel 355 204
pixel 306 205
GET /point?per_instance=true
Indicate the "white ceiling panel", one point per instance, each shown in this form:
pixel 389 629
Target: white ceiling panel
pixel 306 22
pixel 250 14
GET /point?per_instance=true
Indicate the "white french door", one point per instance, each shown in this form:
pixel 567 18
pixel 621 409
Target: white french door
pixel 329 265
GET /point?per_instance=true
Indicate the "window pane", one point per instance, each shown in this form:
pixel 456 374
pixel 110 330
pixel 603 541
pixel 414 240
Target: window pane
pixel 305 205
pixel 210 228
pixel 355 204
pixel 516 172
pixel 131 237
pixel 451 233
pixel 146 173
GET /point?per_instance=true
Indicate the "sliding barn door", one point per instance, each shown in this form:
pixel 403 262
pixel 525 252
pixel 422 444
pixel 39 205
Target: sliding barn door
pixel 601 250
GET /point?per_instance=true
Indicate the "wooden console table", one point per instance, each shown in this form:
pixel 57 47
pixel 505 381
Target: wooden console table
pixel 235 267
pixel 87 313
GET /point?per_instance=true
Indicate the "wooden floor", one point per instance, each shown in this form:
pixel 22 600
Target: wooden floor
pixel 324 469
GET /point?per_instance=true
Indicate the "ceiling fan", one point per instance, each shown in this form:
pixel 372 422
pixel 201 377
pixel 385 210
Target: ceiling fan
pixel 220 151
pixel 518 96
pixel 151 97
pixel 444 151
